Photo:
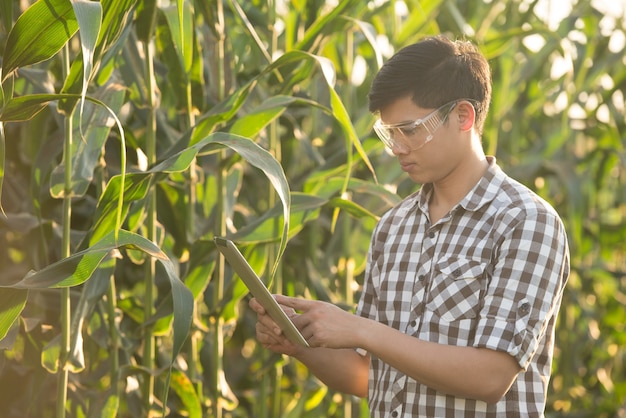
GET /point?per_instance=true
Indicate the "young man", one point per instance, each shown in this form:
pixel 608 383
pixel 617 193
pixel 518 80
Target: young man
pixel 464 278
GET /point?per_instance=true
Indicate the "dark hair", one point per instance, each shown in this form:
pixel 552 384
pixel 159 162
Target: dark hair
pixel 435 71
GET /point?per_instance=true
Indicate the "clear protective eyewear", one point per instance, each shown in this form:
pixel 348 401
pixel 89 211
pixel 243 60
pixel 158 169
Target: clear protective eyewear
pixel 414 135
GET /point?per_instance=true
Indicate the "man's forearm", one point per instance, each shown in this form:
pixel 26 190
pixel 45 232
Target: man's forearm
pixel 343 370
pixel 476 373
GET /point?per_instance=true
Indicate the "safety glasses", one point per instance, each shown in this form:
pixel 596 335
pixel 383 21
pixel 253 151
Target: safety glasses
pixel 414 135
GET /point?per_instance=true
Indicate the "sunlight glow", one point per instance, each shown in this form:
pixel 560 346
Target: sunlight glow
pixel 554 11
pixel 617 41
pixel 359 71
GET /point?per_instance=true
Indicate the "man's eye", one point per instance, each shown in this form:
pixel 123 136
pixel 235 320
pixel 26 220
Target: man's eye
pixel 409 130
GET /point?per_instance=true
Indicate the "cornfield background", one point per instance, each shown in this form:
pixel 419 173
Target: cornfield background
pixel 133 131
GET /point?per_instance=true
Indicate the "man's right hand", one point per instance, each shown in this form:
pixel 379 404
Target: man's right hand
pixel 269 334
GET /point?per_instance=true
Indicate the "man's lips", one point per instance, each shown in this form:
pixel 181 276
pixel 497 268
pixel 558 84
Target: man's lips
pixel 406 165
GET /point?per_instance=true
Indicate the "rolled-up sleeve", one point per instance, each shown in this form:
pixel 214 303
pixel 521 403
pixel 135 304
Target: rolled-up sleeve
pixel 531 264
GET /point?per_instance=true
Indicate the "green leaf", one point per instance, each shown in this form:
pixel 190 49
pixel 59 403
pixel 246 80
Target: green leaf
pixel 352 208
pixel 184 388
pixel 315 31
pixel 304 208
pixel 254 154
pixel 258 42
pixel 176 163
pixel 6 13
pixel 24 108
pixel 91 128
pixel 180 20
pixel 2 161
pixel 135 186
pixel 115 26
pixel 338 110
pixel 12 302
pixel 28 106
pixel 250 124
pixel 111 406
pixel 117 16
pixel 272 169
pixel 89 17
pixel 39 33
pixel 146 20
pixel 222 112
pixel 50 355
pixel 91 293
pixel 201 266
pixel 78 268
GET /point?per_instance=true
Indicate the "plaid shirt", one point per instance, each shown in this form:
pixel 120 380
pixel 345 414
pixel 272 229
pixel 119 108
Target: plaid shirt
pixel 488 274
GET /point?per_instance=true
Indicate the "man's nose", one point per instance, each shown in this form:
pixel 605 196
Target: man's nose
pixel 399 147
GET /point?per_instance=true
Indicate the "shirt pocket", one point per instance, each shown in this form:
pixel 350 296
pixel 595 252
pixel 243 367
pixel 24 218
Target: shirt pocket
pixel 455 288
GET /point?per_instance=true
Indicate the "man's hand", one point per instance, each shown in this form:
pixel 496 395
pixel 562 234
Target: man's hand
pixel 269 334
pixel 323 324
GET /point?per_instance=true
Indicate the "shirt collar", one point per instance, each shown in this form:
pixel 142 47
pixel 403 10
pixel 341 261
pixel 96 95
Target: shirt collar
pixel 482 193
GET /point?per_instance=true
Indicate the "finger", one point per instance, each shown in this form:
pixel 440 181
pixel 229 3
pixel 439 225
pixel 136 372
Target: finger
pixel 267 335
pixel 256 306
pixel 268 323
pixel 276 343
pixel 295 303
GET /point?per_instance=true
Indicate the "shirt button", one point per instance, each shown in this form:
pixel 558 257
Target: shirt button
pixel 525 308
pixel 431 235
pixel 413 323
pixel 394 414
pixel 421 277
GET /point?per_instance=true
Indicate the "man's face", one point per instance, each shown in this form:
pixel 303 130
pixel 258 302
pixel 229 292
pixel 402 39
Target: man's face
pixel 421 139
pixel 413 134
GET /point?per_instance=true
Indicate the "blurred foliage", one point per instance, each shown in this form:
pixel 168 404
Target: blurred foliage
pixel 209 95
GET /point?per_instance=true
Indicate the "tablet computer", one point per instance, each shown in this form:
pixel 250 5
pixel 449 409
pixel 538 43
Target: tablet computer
pixel 258 289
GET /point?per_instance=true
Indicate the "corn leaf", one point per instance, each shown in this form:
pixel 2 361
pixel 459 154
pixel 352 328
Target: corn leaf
pixel 38 34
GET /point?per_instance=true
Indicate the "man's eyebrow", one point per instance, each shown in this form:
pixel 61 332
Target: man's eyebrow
pixel 403 122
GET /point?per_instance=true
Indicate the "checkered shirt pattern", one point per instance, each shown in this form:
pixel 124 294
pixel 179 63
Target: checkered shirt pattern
pixel 489 274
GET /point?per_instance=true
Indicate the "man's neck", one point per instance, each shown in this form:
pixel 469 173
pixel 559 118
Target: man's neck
pixel 452 189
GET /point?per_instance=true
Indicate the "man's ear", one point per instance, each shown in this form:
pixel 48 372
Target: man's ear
pixel 466 115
